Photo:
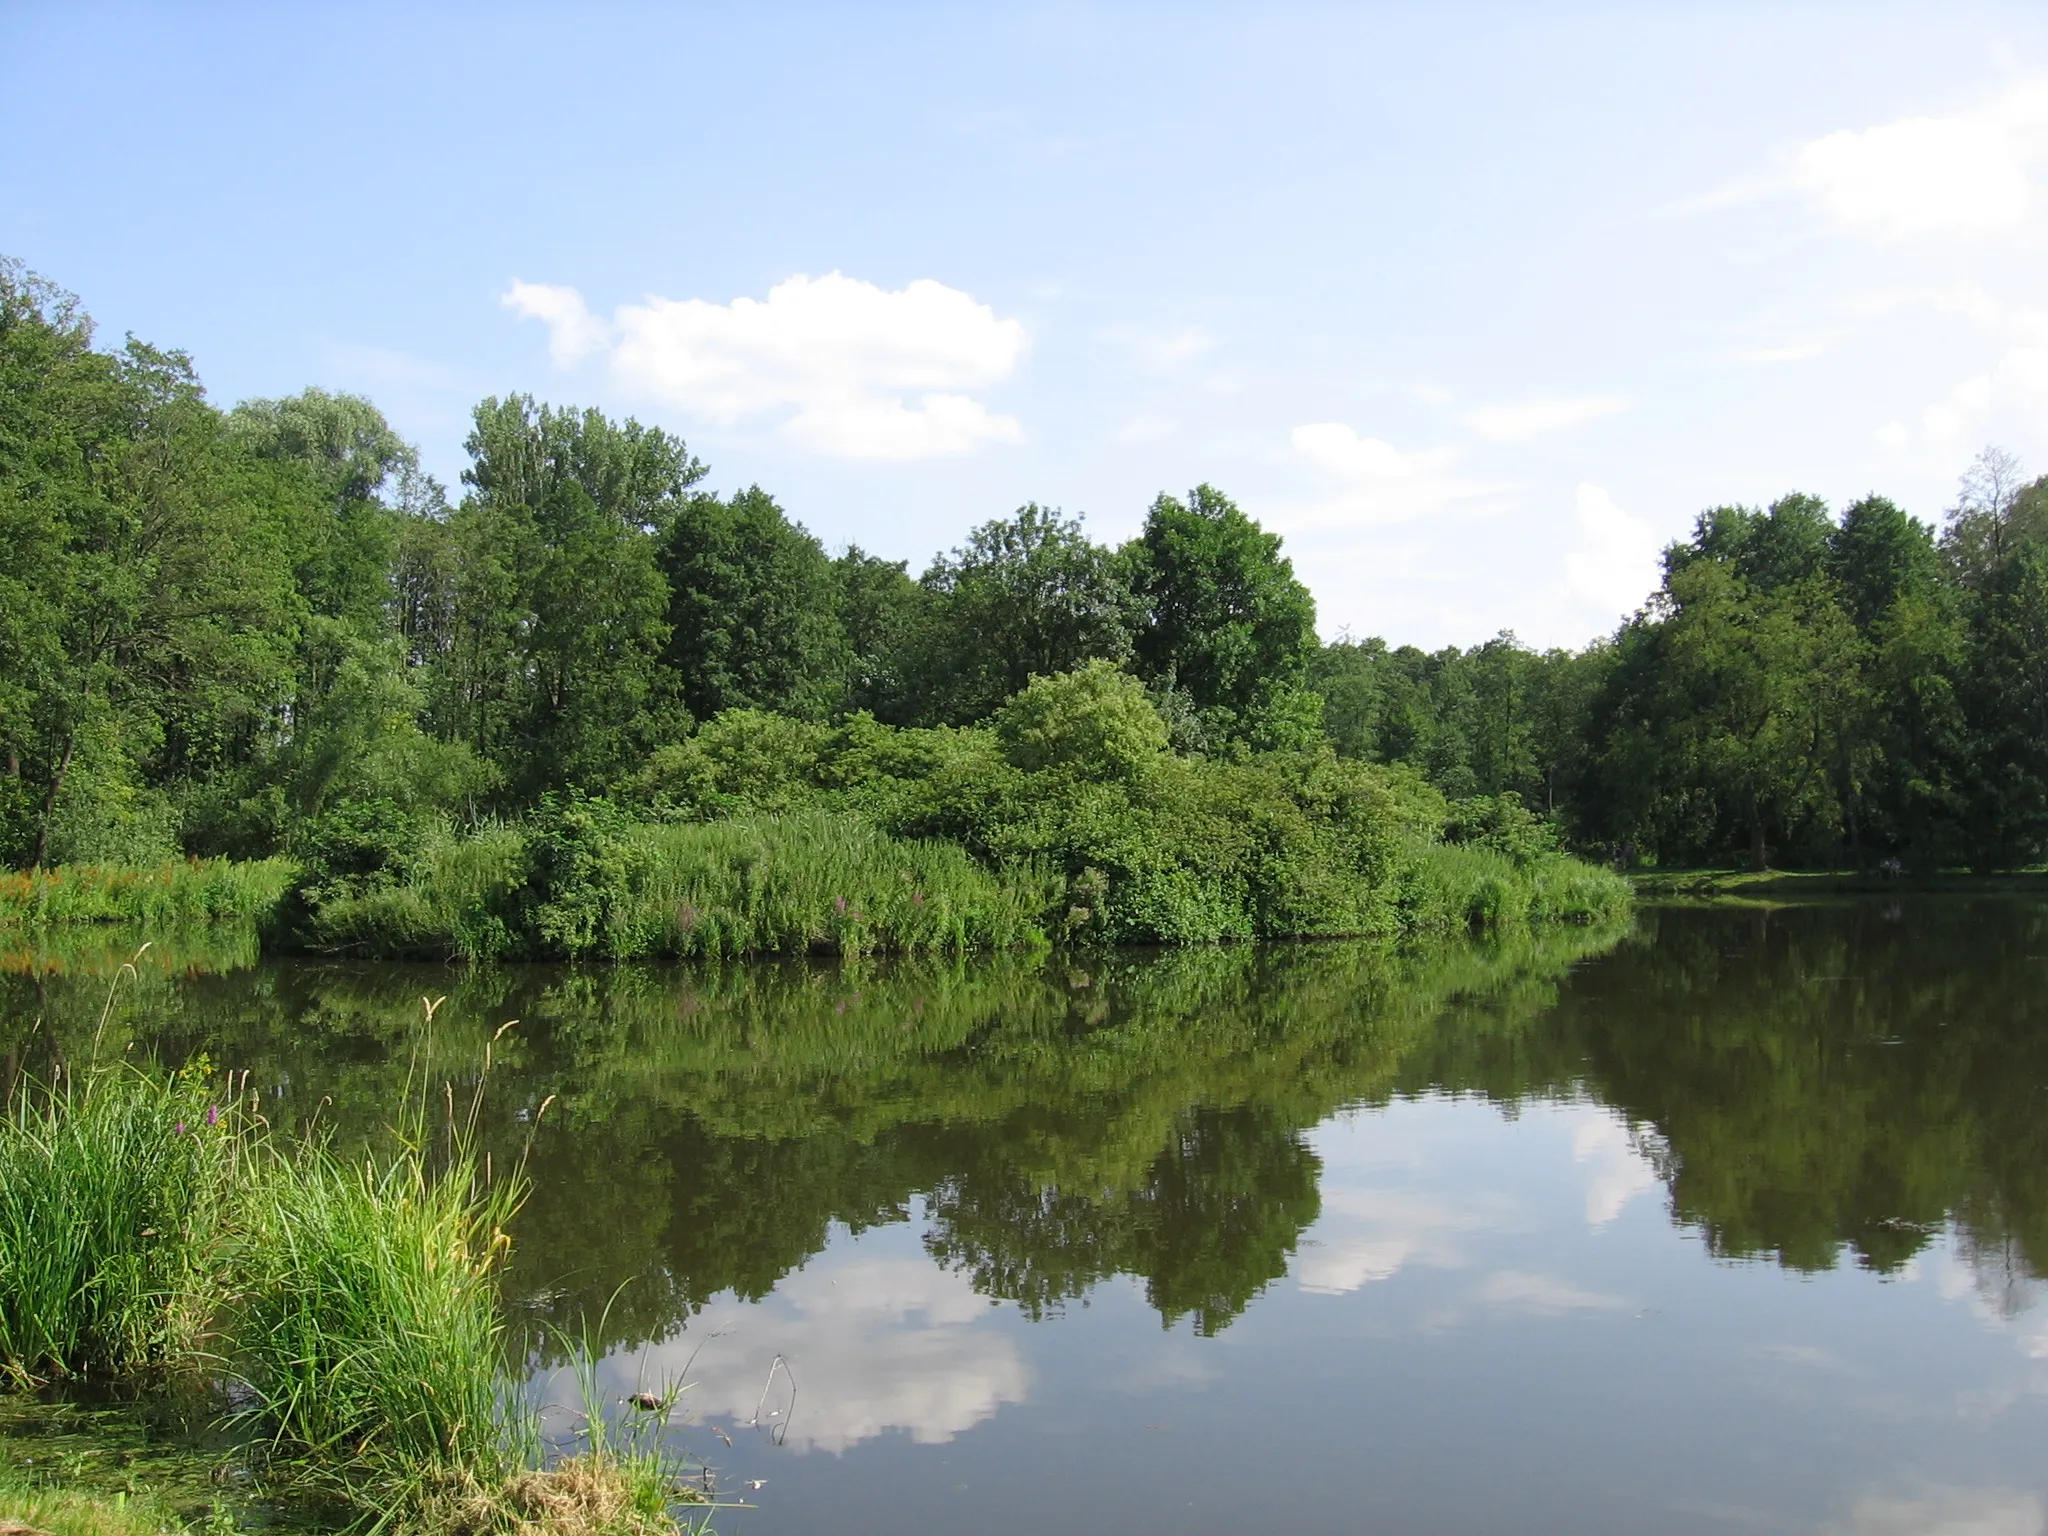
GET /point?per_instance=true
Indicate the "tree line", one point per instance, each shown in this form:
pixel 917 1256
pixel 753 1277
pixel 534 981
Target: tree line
pixel 219 626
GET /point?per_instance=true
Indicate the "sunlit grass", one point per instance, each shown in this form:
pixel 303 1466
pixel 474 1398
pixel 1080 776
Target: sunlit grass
pixel 190 890
pixel 1445 887
pixel 110 1190
pixel 147 1228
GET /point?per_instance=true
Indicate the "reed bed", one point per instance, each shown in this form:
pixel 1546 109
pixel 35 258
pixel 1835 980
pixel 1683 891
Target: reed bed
pixel 806 884
pixel 368 1322
pixel 191 890
pixel 111 1189
pixel 1445 887
pixel 831 885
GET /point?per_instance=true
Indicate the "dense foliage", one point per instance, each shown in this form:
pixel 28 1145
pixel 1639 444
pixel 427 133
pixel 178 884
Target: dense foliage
pixel 264 631
pixel 593 708
pixel 1803 687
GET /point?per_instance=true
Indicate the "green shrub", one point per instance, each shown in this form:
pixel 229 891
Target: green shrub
pixel 1096 722
pixel 356 846
pixel 1503 824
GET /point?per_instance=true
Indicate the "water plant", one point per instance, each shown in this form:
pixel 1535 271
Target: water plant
pixel 367 1322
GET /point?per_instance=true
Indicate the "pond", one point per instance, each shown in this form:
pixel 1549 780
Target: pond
pixel 1730 1219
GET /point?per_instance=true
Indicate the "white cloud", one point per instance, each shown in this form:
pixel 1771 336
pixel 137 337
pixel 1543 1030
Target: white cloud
pixel 1515 1290
pixel 1618 1170
pixel 1791 352
pixel 1146 427
pixel 1615 565
pixel 1332 446
pixel 574 333
pixel 1522 420
pixel 1949 1512
pixel 1378 483
pixel 871 1344
pixel 850 369
pixel 2013 386
pixel 1368 1235
pixel 1968 174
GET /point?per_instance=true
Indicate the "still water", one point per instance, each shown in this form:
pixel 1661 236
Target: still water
pixel 1728 1220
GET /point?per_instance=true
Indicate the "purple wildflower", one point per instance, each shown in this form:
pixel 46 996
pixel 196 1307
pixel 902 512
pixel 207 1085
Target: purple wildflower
pixel 213 1114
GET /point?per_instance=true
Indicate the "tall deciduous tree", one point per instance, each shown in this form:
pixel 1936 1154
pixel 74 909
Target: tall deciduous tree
pixel 1027 595
pixel 1226 621
pixel 559 607
pixel 752 613
pixel 148 599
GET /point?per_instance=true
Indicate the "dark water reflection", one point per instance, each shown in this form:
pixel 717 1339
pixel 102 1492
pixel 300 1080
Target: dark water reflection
pixel 1730 1220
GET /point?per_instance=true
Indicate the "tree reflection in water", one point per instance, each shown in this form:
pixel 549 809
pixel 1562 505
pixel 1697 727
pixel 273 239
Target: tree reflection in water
pixel 1810 1083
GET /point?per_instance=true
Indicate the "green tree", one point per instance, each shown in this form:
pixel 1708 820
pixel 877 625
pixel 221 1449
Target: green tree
pixel 1720 724
pixel 148 598
pixel 880 610
pixel 559 610
pixel 752 612
pixel 1225 620
pixel 1027 595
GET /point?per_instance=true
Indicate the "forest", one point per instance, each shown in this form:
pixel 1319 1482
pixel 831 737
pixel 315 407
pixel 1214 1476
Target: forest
pixel 264 631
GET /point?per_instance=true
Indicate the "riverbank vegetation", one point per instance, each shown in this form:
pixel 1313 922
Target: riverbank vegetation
pixel 265 633
pixel 344 1313
pixel 256 662
pixel 176 891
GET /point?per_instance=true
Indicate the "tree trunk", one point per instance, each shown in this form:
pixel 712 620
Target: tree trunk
pixel 1757 861
pixel 35 860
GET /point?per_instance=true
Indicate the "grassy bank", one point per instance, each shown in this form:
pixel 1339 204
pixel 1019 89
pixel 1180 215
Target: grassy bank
pixel 1793 885
pixel 586 881
pixel 59 1511
pixel 186 891
pixel 155 1234
pixel 1449 887
pixel 589 882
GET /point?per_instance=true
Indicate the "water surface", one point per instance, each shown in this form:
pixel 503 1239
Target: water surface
pixel 1729 1222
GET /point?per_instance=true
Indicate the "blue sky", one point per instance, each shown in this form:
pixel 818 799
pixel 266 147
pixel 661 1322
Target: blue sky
pixel 1477 305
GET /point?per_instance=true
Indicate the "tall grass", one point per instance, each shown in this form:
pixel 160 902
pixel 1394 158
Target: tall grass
pixel 808 884
pixel 369 1324
pixel 819 884
pixel 110 1199
pixel 193 890
pixel 1444 887
pixel 146 1226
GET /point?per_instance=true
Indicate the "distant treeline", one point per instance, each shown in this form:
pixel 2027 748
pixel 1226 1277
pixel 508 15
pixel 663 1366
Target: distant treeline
pixel 261 630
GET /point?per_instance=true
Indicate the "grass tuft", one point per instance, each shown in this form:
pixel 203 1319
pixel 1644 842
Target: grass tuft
pixel 369 1324
pixel 110 1188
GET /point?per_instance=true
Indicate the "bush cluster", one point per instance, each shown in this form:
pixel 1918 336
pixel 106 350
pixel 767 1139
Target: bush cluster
pixel 1067 818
